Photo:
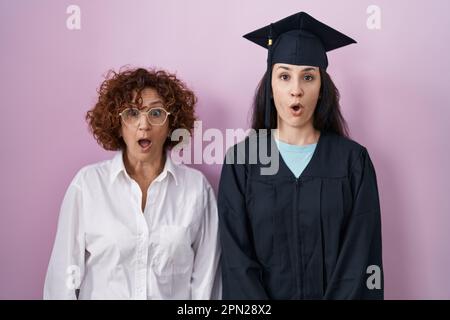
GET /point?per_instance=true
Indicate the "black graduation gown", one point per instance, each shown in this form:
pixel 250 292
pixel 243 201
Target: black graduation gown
pixel 308 238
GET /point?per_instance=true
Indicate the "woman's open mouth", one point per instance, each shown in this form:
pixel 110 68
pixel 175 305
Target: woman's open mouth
pixel 296 109
pixel 145 144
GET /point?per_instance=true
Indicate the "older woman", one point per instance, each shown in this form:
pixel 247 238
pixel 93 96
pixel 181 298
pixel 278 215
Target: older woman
pixel 137 226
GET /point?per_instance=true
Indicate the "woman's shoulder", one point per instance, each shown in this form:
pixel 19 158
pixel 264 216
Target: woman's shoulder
pixel 94 171
pixel 343 150
pixel 342 143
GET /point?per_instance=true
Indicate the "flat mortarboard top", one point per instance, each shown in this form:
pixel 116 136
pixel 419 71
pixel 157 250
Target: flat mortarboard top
pixel 300 40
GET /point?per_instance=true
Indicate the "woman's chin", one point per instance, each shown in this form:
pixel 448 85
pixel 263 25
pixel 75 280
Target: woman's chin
pixel 143 153
pixel 295 123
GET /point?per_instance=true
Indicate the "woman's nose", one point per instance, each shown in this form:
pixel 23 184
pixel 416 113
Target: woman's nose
pixel 143 123
pixel 297 90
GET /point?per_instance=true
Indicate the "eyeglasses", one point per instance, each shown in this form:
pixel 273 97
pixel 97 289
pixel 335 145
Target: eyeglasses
pixel 156 116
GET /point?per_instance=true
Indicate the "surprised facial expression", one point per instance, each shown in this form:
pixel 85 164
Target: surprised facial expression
pixel 296 91
pixel 143 140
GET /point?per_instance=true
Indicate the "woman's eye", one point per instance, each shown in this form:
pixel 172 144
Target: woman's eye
pixel 284 77
pixel 133 113
pixel 308 78
pixel 155 113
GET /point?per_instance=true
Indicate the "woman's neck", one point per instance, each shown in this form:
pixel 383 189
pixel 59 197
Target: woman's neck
pixel 297 135
pixel 144 170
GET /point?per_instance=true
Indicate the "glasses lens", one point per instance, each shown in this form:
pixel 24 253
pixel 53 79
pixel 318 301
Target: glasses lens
pixel 130 115
pixel 157 116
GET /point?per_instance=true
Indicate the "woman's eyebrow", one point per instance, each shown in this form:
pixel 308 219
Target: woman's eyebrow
pixel 155 101
pixel 309 69
pixel 150 103
pixel 303 70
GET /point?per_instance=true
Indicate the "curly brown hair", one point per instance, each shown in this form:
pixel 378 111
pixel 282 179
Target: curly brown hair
pixel 119 88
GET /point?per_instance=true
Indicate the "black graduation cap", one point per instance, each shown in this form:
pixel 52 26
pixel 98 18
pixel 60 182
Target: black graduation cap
pixel 298 39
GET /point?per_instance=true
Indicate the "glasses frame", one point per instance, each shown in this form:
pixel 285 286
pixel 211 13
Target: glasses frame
pixel 147 113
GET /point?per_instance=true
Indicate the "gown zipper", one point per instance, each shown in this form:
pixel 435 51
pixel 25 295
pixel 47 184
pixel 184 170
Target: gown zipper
pixel 297 244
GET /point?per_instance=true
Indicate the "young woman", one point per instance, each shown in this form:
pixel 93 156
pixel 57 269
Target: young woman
pixel 312 230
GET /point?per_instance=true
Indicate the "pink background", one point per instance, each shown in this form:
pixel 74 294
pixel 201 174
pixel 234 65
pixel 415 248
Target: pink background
pixel 394 85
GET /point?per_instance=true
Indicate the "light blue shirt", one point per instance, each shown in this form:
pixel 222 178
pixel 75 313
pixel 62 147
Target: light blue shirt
pixel 296 157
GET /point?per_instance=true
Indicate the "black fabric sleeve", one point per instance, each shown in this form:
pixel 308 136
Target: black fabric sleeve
pixel 359 273
pixel 241 272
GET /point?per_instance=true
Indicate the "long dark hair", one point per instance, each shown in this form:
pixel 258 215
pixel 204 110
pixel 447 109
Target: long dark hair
pixel 327 116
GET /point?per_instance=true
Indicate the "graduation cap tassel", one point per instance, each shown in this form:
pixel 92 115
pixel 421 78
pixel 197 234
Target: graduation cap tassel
pixel 268 110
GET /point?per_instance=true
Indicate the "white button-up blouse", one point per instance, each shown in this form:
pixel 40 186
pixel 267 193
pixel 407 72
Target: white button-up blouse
pixel 107 248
